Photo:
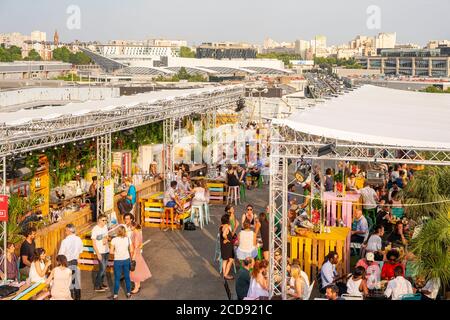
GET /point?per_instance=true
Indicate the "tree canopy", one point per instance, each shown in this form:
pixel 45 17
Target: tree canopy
pixel 186 52
pixel 10 54
pixel 433 89
pixel 182 75
pixel 33 55
pixel 65 55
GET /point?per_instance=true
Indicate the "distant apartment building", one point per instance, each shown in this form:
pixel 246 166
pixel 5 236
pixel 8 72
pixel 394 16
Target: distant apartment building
pixel 225 50
pixel 433 44
pixel 411 62
pixel 301 47
pixel 38 36
pixel 44 49
pixel 347 53
pixel 386 40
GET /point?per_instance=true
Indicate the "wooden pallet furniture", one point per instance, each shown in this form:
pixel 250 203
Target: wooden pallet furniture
pixel 31 291
pixel 88 259
pixel 154 210
pixel 312 248
pixel 50 237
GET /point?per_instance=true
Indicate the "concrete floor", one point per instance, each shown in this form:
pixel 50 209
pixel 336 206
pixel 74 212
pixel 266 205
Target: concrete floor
pixel 181 262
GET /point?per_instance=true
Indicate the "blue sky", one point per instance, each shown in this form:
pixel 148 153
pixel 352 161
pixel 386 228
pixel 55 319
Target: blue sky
pixel 415 21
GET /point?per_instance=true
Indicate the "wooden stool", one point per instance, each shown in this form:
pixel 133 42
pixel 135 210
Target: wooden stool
pixel 233 193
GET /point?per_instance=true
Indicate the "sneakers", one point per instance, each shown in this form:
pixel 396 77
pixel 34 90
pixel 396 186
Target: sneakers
pixel 101 289
pixel 114 297
pixel 128 295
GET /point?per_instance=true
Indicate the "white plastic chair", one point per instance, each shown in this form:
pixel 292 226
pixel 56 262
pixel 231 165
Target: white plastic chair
pixel 310 289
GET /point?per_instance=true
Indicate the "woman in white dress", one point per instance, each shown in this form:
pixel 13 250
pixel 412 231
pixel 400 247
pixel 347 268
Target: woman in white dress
pixel 39 266
pixel 62 278
pixel 259 285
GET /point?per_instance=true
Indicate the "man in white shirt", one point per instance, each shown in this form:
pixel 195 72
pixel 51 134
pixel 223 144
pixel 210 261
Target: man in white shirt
pixel 370 199
pixel 398 286
pixel 431 289
pixel 100 239
pixel 328 273
pixel 375 243
pixel 71 247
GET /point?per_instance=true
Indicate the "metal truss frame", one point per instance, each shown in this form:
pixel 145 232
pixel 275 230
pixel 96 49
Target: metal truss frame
pixel 38 134
pixel 169 152
pixel 103 169
pixel 288 144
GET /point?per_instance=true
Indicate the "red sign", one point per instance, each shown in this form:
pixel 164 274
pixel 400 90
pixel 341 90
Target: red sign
pixel 3 208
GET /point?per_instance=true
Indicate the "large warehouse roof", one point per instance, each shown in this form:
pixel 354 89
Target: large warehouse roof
pixel 381 116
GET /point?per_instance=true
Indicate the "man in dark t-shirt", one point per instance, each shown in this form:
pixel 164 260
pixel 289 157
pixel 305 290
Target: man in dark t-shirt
pixel 243 278
pixel 27 251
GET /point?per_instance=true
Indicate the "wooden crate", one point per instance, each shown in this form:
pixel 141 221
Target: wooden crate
pixel 312 248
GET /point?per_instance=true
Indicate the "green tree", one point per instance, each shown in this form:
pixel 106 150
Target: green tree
pixel 183 74
pixel 186 52
pixel 33 55
pixel 431 248
pixel 61 54
pixel 428 185
pixel 79 58
pixel 10 54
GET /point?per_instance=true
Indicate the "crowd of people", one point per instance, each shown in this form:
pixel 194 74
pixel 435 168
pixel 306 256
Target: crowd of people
pixel 383 234
pixel 64 277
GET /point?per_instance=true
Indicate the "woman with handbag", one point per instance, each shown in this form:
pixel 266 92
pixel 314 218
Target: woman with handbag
pixel 140 272
pixel 122 250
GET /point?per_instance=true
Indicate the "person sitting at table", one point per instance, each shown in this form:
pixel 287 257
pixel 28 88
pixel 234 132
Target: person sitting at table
pixel 397 238
pixel 431 289
pixel 329 275
pixel 383 196
pixel 200 194
pixel 356 285
pixel 247 243
pixel 398 286
pixel 375 243
pixel 387 272
pixel 397 205
pixel 184 186
pixel 60 279
pixel 171 199
pixel 11 263
pixel 259 284
pixel 39 266
pixel 394 188
pixel 351 182
pixel 332 292
pixel 373 271
pixel 361 229
pixel 298 287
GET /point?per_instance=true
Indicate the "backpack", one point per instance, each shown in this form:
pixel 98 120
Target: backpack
pixel 190 226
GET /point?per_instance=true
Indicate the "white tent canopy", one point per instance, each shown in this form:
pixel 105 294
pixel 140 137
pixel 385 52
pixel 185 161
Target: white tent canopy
pixel 77 109
pixel 382 116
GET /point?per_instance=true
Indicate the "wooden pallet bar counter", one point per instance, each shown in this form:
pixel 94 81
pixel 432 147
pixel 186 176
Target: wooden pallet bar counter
pixel 50 237
pixel 311 248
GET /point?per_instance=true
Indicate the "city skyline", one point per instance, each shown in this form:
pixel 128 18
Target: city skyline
pixel 203 21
